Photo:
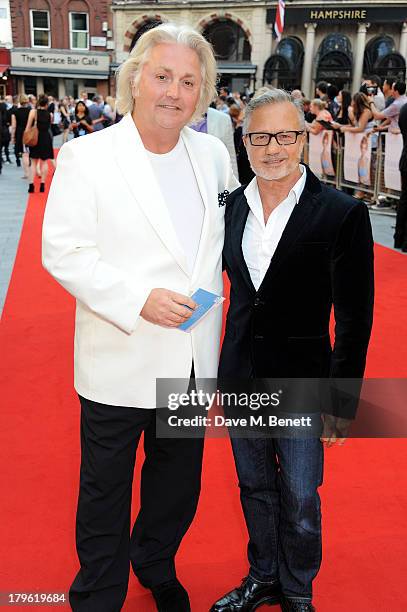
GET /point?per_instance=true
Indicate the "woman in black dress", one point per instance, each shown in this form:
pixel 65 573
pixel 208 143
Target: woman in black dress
pixel 19 120
pixel 82 123
pixel 43 149
pixel 344 99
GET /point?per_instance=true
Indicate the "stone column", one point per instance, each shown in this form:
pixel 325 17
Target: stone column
pixel 61 88
pixel 40 85
pixel 308 59
pixel 261 48
pixel 359 55
pixel 403 41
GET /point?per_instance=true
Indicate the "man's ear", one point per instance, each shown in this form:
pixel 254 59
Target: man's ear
pixel 134 89
pixel 303 142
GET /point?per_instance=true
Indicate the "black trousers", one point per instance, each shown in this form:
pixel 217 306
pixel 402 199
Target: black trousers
pixel 400 234
pixel 170 487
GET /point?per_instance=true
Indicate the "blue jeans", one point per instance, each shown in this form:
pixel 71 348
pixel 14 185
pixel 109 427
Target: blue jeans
pixel 279 480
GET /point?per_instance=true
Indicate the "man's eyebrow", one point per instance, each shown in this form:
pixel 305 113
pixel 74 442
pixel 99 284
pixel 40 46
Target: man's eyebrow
pixel 166 69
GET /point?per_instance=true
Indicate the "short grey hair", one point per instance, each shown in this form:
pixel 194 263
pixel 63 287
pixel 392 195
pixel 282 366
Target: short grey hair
pixel 129 72
pixel 272 96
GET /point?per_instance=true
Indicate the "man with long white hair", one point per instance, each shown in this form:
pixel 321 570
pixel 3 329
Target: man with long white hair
pixel 134 225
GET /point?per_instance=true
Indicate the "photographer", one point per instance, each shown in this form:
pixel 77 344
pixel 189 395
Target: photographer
pixel 372 87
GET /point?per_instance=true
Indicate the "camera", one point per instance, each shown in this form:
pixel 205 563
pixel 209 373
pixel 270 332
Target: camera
pixel 369 90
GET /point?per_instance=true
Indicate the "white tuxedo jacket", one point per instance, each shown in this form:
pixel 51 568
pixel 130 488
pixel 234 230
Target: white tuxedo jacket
pixel 108 239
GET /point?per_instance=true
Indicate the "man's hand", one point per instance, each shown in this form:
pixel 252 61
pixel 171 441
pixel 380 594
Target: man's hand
pixel 335 430
pixel 167 308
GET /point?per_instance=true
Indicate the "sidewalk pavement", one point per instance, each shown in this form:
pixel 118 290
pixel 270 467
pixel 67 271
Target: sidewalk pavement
pixel 13 204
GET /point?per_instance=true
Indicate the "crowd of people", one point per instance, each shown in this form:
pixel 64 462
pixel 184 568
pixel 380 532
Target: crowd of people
pixel 374 108
pixel 18 114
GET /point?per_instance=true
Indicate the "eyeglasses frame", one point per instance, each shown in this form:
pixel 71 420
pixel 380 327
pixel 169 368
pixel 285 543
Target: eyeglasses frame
pixel 271 136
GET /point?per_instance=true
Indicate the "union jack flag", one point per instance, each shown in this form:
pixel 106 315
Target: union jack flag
pixel 279 22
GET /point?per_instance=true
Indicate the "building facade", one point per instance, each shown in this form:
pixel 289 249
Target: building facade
pixel 337 41
pixel 61 47
pixel 5 46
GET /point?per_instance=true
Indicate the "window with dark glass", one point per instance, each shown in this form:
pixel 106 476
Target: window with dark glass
pixel 228 40
pixel 381 58
pixel 30 85
pixel 334 61
pixel 284 67
pixel 79 30
pixel 148 25
pixel 40 30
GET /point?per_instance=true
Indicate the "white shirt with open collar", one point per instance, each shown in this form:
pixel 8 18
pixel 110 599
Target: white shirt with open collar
pixel 260 240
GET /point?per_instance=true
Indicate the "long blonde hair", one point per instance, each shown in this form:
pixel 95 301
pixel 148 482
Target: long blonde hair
pixel 129 72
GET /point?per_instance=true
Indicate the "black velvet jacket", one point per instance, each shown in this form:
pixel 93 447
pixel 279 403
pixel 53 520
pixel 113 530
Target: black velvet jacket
pixel 324 259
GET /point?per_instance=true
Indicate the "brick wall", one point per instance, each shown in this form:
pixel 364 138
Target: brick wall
pixel 99 11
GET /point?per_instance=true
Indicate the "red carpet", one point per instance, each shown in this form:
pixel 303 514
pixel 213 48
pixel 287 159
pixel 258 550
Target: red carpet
pixel 364 494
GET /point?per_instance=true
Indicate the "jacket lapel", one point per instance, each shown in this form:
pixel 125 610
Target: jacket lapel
pixel 188 135
pixel 301 215
pixel 297 223
pixel 240 212
pixel 135 166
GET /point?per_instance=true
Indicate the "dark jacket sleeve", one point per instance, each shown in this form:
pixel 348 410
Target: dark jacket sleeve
pixel 352 280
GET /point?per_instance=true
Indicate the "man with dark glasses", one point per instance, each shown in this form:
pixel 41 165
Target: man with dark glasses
pixel 294 249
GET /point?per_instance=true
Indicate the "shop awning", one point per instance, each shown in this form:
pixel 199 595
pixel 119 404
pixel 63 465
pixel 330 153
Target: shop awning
pixel 62 74
pixel 236 68
pixel 4 68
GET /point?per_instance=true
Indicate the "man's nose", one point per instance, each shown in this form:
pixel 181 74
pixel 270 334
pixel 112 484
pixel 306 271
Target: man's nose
pixel 273 146
pixel 173 89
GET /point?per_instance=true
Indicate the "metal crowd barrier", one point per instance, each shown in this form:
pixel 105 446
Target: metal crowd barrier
pixel 374 192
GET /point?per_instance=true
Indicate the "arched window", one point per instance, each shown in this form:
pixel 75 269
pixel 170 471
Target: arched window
pixel 229 40
pixel 147 25
pixel 284 67
pixel 376 49
pixel 381 58
pixel 334 61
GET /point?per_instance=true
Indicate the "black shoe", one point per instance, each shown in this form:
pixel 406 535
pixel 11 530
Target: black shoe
pixel 404 248
pixel 249 596
pixel 289 605
pixel 42 187
pixel 31 188
pixel 171 597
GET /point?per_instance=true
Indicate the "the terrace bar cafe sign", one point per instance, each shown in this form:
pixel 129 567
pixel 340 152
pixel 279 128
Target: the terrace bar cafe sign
pixel 337 14
pixel 60 60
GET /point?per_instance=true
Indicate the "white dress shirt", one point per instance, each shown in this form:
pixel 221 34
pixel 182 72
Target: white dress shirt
pixel 176 178
pixel 260 239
